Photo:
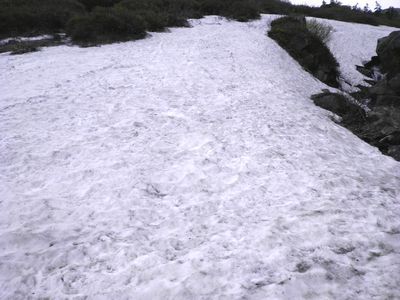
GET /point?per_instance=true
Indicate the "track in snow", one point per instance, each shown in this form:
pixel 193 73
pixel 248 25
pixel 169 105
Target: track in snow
pixel 190 165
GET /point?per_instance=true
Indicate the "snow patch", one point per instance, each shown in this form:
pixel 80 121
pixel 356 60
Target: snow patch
pixel 190 165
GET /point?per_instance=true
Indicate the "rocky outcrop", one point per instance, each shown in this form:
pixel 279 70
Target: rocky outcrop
pixel 291 33
pixel 388 50
pixel 337 103
pixel 386 91
pixel 380 126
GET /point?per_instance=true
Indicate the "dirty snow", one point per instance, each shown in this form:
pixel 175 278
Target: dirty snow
pixel 189 165
pixel 27 39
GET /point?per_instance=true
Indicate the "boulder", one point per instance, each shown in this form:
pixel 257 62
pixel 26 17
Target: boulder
pixel 388 50
pixel 374 62
pixel 365 71
pixel 370 81
pixel 381 126
pixel 336 103
pixel 394 151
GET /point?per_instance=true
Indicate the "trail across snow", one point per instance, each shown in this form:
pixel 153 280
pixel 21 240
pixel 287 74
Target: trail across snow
pixel 189 165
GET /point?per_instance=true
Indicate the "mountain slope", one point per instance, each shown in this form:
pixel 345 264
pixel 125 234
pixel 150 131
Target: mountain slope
pixel 354 44
pixel 190 165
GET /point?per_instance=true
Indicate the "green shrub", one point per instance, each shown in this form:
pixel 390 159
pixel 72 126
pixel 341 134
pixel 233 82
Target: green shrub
pixel 26 17
pixel 275 7
pixel 306 48
pixel 154 20
pixel 180 10
pixel 22 49
pixel 335 12
pixel 106 25
pixel 322 31
pixel 90 4
pixel 240 10
pixel 157 14
pixel 17 46
pixel 177 21
pixel 213 7
pixel 343 13
pixel 243 11
pixel 141 5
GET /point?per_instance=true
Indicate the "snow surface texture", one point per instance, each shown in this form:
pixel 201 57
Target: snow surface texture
pixel 354 44
pixel 189 165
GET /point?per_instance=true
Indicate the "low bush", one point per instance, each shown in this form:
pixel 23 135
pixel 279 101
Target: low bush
pixel 334 11
pixel 240 10
pixel 17 46
pixel 158 14
pixel 322 31
pixel 28 17
pixel 343 13
pixel 313 55
pixel 155 20
pixel 275 7
pixel 243 11
pixel 91 4
pixel 22 49
pixel 213 7
pixel 106 25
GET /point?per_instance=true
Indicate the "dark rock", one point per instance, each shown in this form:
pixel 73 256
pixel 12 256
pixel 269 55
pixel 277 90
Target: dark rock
pixel 302 267
pixel 386 115
pixel 370 81
pixel 344 250
pixel 381 126
pixel 394 151
pixel 374 62
pixel 336 103
pixel 359 95
pixel 365 71
pixel 363 88
pixel 387 100
pixel 388 50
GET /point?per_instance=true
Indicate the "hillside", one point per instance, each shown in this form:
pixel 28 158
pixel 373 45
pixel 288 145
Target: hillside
pixel 191 165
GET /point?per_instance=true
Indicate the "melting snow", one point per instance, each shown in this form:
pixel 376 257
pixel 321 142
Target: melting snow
pixel 189 165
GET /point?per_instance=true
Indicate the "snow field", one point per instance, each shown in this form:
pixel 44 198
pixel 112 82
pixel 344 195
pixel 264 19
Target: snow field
pixel 189 165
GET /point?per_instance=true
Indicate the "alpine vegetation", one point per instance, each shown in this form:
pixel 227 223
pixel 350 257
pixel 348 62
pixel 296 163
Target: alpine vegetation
pixel 305 42
pixel 182 157
pixel 322 30
pixel 92 22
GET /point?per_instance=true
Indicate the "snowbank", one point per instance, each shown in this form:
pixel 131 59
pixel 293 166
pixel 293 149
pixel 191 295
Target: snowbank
pixel 190 165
